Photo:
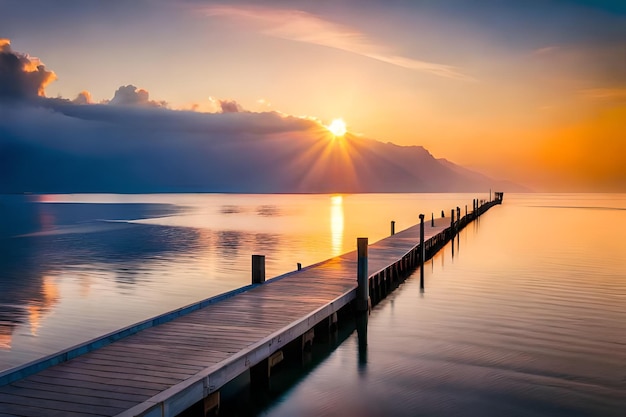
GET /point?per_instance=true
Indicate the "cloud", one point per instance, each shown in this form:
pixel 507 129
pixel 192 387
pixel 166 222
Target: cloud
pixel 134 144
pixel 546 50
pixel 304 27
pixel 129 95
pixel 108 148
pixel 21 76
pixel 229 106
pixel 604 94
pixel 263 102
pixel 84 97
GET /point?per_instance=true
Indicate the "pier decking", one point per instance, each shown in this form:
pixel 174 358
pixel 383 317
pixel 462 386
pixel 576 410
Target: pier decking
pixel 162 366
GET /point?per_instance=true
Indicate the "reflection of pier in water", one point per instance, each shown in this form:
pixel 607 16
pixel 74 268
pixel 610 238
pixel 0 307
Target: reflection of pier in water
pixel 183 358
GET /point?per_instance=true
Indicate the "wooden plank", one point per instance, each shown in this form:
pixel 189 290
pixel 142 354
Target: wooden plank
pixel 121 372
pixel 131 364
pixel 68 397
pixel 63 382
pixel 139 381
pixel 115 386
pixel 13 410
pixel 87 392
pixel 57 405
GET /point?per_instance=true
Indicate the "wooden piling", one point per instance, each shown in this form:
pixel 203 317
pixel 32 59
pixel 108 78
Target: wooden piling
pixel 361 332
pixel 393 228
pixel 422 254
pixel 362 291
pixel 211 404
pixel 258 269
pixel 432 219
pixel 452 221
pixel 299 266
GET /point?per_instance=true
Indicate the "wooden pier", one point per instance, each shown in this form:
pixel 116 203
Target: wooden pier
pixel 164 365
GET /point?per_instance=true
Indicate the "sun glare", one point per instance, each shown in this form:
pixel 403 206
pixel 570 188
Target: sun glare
pixel 337 127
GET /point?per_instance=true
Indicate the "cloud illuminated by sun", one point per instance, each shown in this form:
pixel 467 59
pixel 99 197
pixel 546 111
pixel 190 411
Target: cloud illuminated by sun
pixel 337 127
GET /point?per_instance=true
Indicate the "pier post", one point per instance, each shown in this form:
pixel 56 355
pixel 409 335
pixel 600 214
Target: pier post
pixel 458 215
pixel 466 210
pixel 443 215
pixel 361 332
pixel 212 404
pixel 393 228
pixel 299 266
pixel 432 219
pixel 362 291
pixel 452 221
pixel 422 251
pixel 258 269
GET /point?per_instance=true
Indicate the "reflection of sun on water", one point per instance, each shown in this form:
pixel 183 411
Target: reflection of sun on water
pixel 6 335
pixel 50 292
pixel 336 224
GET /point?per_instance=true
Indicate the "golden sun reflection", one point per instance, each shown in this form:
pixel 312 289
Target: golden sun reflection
pixel 50 292
pixel 336 224
pixel 6 336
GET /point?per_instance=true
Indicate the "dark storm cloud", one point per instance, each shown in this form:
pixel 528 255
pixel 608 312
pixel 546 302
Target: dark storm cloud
pixel 21 76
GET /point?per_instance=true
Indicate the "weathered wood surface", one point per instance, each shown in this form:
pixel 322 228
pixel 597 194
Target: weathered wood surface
pixel 164 369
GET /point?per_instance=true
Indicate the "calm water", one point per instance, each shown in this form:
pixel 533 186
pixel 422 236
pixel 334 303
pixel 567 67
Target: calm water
pixel 528 318
pixel 73 267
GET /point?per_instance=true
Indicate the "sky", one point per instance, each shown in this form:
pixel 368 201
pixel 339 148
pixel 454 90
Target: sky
pixel 530 91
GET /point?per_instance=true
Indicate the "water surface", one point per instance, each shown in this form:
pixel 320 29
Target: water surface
pixel 73 267
pixel 527 318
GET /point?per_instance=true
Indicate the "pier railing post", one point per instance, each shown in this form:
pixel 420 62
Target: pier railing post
pixel 393 228
pixel 362 291
pixel 258 269
pixel 432 219
pixel 452 221
pixel 422 251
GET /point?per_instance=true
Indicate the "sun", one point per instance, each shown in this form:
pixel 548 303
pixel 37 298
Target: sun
pixel 337 127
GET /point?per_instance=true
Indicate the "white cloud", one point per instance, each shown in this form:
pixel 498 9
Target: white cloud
pixel 304 27
pixel 129 95
pixel 604 94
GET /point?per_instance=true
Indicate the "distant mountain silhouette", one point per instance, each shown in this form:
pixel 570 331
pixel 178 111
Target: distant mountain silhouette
pixel 347 165
pixel 96 148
